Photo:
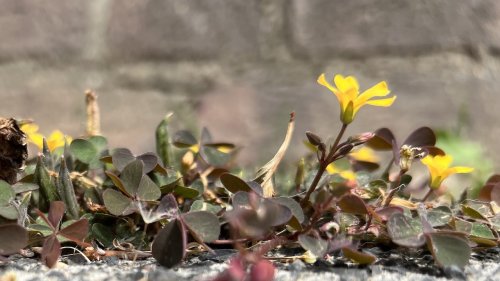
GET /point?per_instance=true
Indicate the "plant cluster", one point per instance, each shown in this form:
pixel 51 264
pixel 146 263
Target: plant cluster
pixel 190 196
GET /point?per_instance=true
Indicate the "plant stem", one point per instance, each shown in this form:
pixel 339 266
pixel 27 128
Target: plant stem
pixel 427 195
pixel 395 187
pixel 323 165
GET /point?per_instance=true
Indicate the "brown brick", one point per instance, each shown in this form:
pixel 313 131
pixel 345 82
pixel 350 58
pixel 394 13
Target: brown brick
pixel 42 29
pixel 320 28
pixel 181 29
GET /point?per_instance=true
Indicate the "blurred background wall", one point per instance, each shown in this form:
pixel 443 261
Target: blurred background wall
pixel 240 67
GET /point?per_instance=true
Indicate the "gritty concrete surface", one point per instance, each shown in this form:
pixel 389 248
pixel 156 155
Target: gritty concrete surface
pixel 27 270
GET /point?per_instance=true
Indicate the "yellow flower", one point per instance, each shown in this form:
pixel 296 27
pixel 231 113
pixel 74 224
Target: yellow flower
pixel 350 100
pixel 55 140
pixel 346 174
pixel 439 168
pixel 364 154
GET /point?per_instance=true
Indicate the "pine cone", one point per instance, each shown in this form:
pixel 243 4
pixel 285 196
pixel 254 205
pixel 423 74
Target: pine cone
pixel 13 150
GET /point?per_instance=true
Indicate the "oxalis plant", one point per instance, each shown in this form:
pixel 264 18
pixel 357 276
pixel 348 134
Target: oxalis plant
pixel 190 196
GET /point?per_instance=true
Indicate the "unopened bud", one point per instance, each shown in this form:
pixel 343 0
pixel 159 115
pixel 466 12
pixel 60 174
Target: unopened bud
pixel 313 138
pixel 361 138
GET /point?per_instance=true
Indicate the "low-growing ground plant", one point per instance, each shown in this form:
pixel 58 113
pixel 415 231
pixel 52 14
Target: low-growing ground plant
pixel 190 196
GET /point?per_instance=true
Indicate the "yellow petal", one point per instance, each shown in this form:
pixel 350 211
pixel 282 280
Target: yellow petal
pixel 29 128
pixel 332 169
pixel 36 139
pixel 379 90
pixel 55 140
pixel 382 102
pixel 364 154
pixel 462 170
pixel 195 148
pixel 322 81
pixel 225 149
pixel 348 175
pixel 346 84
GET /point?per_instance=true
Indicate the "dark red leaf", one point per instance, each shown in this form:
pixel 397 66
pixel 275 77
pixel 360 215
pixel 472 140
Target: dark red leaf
pixel 169 246
pixel 13 237
pixel 76 231
pixel 382 140
pixel 352 204
pixel 51 251
pixel 56 212
pixel 423 136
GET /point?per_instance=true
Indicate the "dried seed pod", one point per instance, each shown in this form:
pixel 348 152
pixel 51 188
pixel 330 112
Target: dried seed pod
pixel 13 149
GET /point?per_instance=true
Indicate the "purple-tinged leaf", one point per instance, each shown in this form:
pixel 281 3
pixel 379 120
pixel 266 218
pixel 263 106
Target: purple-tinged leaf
pixel 150 160
pixel 121 157
pixel 423 136
pixel 131 176
pixel 51 251
pixel 13 237
pixel 382 140
pixel 184 139
pixel 118 183
pixel 316 246
pixel 148 190
pixel 405 231
pixel 205 225
pixel 235 184
pixel 117 203
pixel 352 204
pixel 76 231
pixel 56 213
pixel 169 246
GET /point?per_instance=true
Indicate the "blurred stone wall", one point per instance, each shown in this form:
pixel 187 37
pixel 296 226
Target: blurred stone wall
pixel 240 67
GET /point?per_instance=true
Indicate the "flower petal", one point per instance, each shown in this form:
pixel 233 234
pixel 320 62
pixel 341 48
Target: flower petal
pixel 462 170
pixel 55 140
pixel 322 81
pixel 382 102
pixel 345 84
pixel 379 90
pixel 29 128
pixel 36 139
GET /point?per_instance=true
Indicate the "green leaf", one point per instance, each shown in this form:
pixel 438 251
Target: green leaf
pixel 214 157
pixel 235 184
pixel 186 192
pixel 6 193
pixel 449 249
pixel 148 190
pixel 20 187
pixel 9 212
pixel 99 142
pixel 204 224
pixel 118 183
pixel 45 181
pixel 439 216
pixel 405 231
pixel 169 245
pixel 103 234
pixel 482 231
pixel 83 150
pixel 316 246
pixel 201 205
pixel 131 176
pixel 66 191
pixel 163 142
pixel 117 203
